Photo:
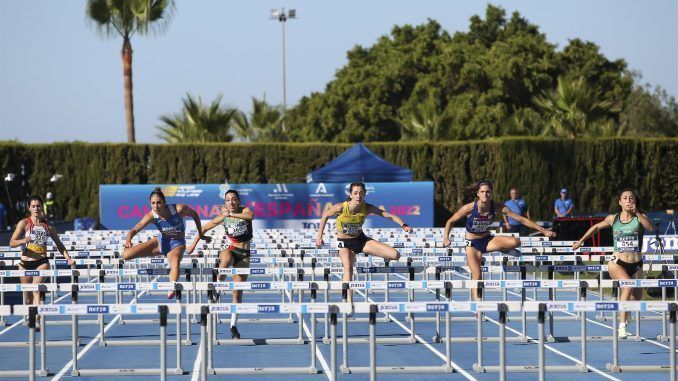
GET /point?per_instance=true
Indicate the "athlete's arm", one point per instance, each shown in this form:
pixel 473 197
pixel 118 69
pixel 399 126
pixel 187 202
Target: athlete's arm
pixel 57 241
pixel 527 222
pixel 331 211
pixel 371 209
pixel 461 213
pixel 137 228
pixel 606 223
pixel 208 226
pixel 245 214
pixel 16 239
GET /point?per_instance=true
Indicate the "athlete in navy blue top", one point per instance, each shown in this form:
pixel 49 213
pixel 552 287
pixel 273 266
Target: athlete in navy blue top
pixel 169 219
pixel 481 214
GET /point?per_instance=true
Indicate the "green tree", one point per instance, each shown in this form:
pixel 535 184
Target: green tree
pixel 125 18
pixel 575 108
pixel 198 122
pixel 650 112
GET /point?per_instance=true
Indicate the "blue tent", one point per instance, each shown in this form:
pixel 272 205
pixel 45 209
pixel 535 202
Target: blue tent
pixel 359 164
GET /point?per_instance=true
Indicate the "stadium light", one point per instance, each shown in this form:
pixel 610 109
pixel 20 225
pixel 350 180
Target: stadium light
pixel 282 17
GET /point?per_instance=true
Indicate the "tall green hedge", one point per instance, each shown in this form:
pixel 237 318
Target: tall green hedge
pixel 593 170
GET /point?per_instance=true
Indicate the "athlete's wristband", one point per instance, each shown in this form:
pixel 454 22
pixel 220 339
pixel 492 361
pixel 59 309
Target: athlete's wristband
pixel 404 226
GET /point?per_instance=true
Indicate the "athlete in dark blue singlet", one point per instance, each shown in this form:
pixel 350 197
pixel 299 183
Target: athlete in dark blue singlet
pixel 481 214
pixel 169 219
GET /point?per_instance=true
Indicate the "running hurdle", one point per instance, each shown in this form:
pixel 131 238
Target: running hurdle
pixel 76 310
pixel 585 307
pixel 206 338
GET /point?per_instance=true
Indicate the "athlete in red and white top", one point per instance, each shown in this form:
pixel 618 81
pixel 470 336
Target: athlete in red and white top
pixel 237 220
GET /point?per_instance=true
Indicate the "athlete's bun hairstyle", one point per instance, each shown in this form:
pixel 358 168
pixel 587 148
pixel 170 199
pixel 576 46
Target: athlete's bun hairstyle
pixel 157 192
pixel 473 188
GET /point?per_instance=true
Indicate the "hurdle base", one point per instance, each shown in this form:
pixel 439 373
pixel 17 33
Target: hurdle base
pixel 662 338
pixel 116 372
pixel 145 321
pixel 280 370
pixel 69 322
pixel 258 321
pixel 400 369
pixel 383 340
pixel 637 368
pixel 14 373
pixel 134 343
pixel 21 344
pixel 486 339
pixel 533 368
pixel 260 342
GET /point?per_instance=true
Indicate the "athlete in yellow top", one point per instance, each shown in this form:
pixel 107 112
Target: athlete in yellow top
pixel 350 218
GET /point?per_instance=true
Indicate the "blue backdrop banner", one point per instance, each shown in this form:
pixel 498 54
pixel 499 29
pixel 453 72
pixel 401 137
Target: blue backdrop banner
pixel 298 206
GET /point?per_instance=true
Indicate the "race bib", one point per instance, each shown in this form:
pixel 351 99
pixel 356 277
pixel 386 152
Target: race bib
pixel 38 242
pixel 352 229
pixel 237 229
pixel 626 244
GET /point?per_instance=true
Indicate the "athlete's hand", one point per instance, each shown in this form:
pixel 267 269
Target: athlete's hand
pixel 576 245
pixel 206 238
pixel 508 226
pixel 447 242
pixel 549 233
pixel 70 260
pixel 127 244
pixel 407 228
pixel 319 242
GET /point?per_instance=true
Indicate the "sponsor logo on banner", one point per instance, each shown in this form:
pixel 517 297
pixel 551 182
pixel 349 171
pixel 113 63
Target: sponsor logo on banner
pixel 268 308
pixel 584 249
pixel 417 251
pixel 245 309
pixel 602 306
pixel 666 282
pixel 157 260
pixel 357 285
pixel 48 310
pixel 627 282
pixel 255 260
pixel 570 283
pixel 321 191
pixel 556 306
pixel 336 270
pixel 492 284
pixel 541 257
pixel 316 308
pixel 396 284
pixel 280 192
pixel 546 243
pixel 261 286
pixel 388 308
pixel 437 307
pixel 657 306
pixel 186 191
pixel 531 283
pixel 301 285
pixel 257 271
pixel 98 309
pixel 111 272
pixel 218 308
pixel 485 307
pixel 127 286
pixel 378 285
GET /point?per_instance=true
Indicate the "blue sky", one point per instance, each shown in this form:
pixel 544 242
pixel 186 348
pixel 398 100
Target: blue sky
pixel 59 81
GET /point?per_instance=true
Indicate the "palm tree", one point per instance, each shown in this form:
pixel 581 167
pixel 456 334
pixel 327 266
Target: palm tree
pixel 198 122
pixel 421 121
pixel 264 123
pixel 574 108
pixel 125 18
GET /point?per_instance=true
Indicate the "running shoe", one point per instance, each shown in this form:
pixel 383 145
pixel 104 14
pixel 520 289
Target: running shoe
pixel 234 332
pixel 621 333
pixel 171 294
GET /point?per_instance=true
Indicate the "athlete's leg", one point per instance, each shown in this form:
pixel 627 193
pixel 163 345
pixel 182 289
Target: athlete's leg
pixel 145 249
pixel 473 259
pixel 503 243
pixel 381 249
pixel 617 272
pixel 347 260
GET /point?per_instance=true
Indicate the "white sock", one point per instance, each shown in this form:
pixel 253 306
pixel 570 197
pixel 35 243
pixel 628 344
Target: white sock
pixel 234 320
pixel 622 325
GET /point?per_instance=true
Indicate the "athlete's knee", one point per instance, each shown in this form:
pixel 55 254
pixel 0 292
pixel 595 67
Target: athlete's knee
pixel 516 242
pixel 395 255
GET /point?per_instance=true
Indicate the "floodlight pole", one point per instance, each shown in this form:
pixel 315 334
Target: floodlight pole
pixel 282 17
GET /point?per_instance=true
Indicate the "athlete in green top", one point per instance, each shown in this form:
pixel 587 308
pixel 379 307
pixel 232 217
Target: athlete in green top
pixel 628 227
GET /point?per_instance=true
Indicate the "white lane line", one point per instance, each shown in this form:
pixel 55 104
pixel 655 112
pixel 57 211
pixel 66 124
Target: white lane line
pixel 20 320
pixel 198 360
pixel 545 346
pixel 96 338
pixel 426 344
